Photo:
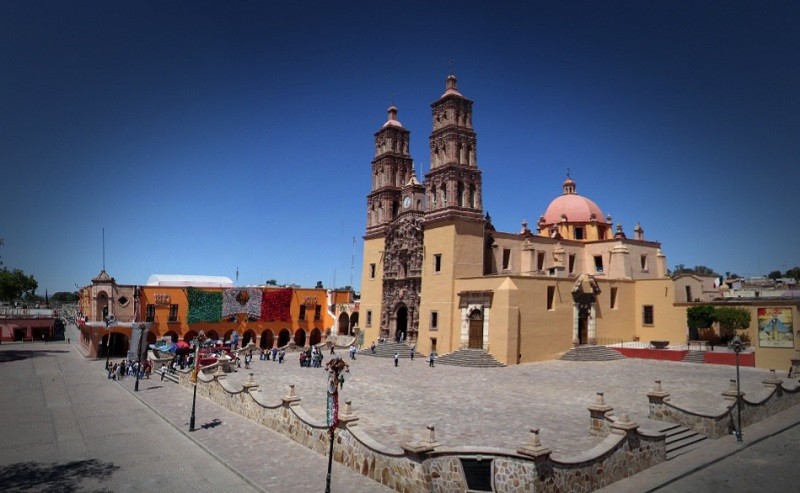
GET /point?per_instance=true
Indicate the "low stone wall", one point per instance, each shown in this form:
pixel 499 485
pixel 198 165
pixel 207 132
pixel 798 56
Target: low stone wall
pixel 779 398
pixel 427 466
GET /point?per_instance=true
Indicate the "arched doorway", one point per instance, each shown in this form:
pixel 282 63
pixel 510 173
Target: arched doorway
pixel 300 337
pixel 114 345
pixel 212 335
pixel 401 323
pixel 172 335
pixel 101 306
pixel 316 337
pixel 354 319
pixel 344 324
pixel 284 336
pixel 267 339
pixel 189 336
pixel 151 337
pixel 249 335
pixel 476 329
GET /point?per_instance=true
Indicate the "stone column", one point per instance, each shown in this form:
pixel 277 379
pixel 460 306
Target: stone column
pixel 598 425
pixel 657 398
pixel 575 318
pixel 592 325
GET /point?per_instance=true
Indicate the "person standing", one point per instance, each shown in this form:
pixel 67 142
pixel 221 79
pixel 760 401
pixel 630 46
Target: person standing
pixel 431 359
pixel 396 359
pixel 412 354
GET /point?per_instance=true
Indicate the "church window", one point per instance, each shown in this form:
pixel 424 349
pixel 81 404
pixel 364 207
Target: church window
pixel 551 297
pixel 434 320
pixel 598 264
pixel 372 271
pixel 472 196
pixel 613 298
pixel 578 232
pixel 506 258
pixel 444 196
pixel 395 208
pixel 302 313
pixel 433 196
pixel 571 263
pixel 437 262
pixel 540 261
pixel 460 196
pixel 318 312
pixel 647 315
pixel 643 261
pixel 173 313
pixel 688 293
pixel 369 318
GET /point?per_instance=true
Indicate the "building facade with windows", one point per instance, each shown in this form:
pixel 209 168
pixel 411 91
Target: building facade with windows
pixel 438 274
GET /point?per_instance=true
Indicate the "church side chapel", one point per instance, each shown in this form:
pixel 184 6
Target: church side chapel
pixel 438 275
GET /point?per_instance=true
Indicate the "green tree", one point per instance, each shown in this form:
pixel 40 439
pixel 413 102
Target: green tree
pixel 776 274
pixel 731 319
pixel 319 285
pixel 794 273
pixel 697 269
pixel 64 297
pixel 14 284
pixel 271 282
pixel 700 317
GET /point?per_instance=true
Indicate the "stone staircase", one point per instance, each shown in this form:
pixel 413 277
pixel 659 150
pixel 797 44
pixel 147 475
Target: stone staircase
pixel 474 358
pixel 388 350
pixel 591 353
pixel 681 440
pixel 694 357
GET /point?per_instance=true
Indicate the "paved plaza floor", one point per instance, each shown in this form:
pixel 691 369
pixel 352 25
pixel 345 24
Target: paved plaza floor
pixel 68 428
pixel 496 407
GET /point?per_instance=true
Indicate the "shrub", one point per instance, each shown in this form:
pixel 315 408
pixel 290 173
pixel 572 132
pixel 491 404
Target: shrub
pixel 709 336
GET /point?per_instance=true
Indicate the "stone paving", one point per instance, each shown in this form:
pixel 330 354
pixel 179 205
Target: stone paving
pixel 496 407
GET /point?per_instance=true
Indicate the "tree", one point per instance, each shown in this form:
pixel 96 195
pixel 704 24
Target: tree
pixel 319 285
pixel 701 270
pixel 776 274
pixel 730 320
pixel 793 273
pixel 64 297
pixel 699 317
pixel 14 284
pixel 271 282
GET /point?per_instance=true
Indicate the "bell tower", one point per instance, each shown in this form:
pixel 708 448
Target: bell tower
pixel 392 168
pixel 453 184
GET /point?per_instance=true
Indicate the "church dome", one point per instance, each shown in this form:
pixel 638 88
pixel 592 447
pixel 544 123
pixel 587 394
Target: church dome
pixel 576 208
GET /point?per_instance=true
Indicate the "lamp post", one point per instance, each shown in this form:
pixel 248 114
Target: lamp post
pixel 197 342
pixel 334 368
pixel 142 328
pixel 737 346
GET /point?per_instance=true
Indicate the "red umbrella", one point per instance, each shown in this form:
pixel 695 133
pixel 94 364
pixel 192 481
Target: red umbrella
pixel 182 344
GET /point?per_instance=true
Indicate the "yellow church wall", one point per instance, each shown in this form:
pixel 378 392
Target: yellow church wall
pixel 669 319
pixel 616 323
pixel 544 333
pixel 371 289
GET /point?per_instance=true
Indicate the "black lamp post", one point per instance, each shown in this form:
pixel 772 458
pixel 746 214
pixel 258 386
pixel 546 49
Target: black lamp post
pixel 737 345
pixel 335 368
pixel 108 342
pixel 197 342
pixel 142 328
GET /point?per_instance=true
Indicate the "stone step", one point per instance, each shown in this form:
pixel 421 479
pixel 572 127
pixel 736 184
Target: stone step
pixel 591 353
pixel 476 358
pixel 388 350
pixel 694 357
pixel 680 440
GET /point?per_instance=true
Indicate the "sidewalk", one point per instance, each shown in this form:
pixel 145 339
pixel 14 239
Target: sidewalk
pixel 714 452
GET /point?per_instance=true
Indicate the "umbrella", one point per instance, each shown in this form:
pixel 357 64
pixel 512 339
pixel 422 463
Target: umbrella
pixel 182 344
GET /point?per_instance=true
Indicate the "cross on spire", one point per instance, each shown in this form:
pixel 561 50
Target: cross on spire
pixel 450 66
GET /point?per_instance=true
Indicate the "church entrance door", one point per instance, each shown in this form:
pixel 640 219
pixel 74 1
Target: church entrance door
pixel 401 324
pixel 476 330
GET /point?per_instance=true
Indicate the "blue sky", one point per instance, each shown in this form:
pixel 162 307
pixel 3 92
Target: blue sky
pixel 206 136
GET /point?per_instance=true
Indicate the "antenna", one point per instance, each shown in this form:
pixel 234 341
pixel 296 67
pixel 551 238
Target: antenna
pixel 104 248
pixel 352 262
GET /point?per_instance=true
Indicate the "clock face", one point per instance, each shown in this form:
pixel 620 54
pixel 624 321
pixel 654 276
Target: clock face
pixel 407 202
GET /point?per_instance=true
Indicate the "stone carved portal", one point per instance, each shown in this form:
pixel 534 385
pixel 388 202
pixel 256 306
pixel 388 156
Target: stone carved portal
pixel 402 278
pixel 584 310
pixel 476 329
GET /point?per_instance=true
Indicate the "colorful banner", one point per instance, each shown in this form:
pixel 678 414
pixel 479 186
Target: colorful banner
pixel 204 306
pixel 241 300
pixel 276 305
pixel 775 327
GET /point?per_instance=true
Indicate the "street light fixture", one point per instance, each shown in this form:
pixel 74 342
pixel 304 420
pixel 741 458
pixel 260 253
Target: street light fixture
pixel 335 380
pixel 198 340
pixel 738 346
pixel 142 328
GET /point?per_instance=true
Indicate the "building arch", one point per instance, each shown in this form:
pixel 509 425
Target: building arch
pixel 173 336
pixel 267 339
pixel 189 336
pixel 344 324
pixel 300 337
pixel 475 318
pixel 284 337
pixel 101 306
pixel 151 337
pixel 249 335
pixel 212 335
pixel 400 324
pixel 354 319
pixel 315 337
pixel 114 344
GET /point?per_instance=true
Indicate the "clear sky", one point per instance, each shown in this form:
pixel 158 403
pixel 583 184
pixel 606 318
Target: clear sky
pixel 206 136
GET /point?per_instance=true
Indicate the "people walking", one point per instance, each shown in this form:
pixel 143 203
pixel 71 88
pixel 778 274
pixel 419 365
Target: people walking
pixel 396 359
pixel 431 358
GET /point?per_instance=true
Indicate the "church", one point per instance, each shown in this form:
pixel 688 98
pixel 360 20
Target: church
pixel 437 274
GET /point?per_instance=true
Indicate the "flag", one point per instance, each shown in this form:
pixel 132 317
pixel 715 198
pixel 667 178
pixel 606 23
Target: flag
pixel 717 282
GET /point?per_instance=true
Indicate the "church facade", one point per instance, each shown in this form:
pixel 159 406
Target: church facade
pixel 437 274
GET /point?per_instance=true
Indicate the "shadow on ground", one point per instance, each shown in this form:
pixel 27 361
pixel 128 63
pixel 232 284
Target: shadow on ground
pixel 7 356
pixel 58 478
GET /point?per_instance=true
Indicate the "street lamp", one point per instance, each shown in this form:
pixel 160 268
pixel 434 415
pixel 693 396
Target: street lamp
pixel 142 328
pixel 198 340
pixel 334 368
pixel 737 345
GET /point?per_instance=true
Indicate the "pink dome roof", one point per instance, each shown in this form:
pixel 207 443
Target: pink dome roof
pixel 576 208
